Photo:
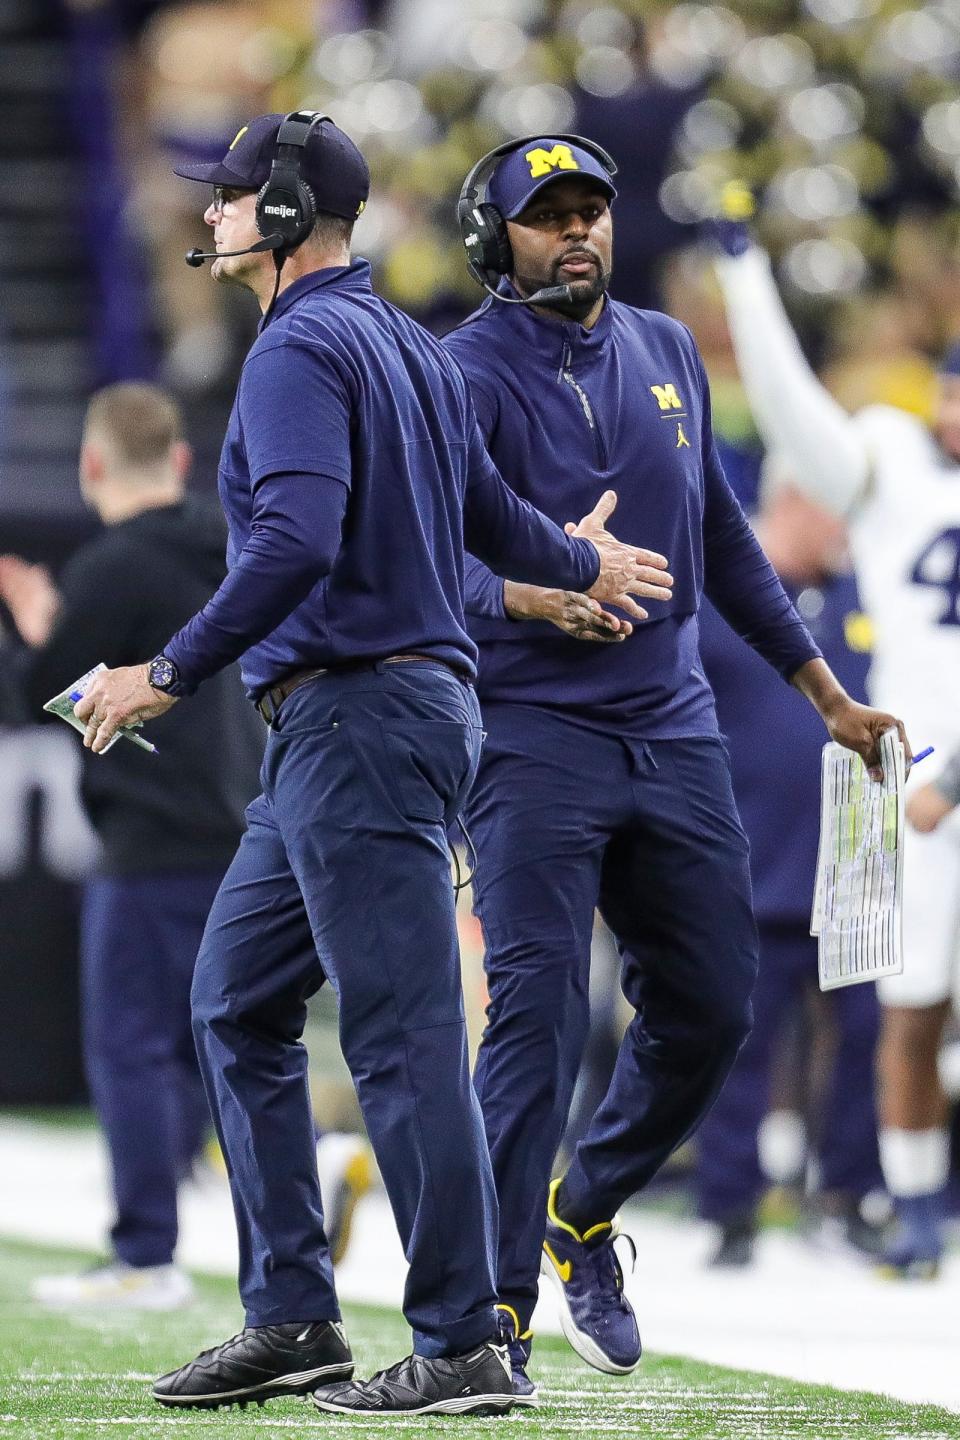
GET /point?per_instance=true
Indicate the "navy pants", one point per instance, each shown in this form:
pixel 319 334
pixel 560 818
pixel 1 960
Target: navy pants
pixel 729 1181
pixel 565 819
pixel 344 874
pixel 139 940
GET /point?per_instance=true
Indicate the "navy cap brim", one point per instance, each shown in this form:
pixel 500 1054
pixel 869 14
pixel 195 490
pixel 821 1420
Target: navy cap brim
pixel 211 172
pixel 597 181
pixel 330 164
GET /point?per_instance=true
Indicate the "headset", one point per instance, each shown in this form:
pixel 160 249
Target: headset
pixel 286 208
pixel 286 205
pixel 484 230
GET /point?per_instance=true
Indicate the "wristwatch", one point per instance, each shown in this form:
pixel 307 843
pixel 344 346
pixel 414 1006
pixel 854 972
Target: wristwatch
pixel 163 674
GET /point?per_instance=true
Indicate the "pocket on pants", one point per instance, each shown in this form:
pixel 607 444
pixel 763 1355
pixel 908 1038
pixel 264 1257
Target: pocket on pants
pixel 429 764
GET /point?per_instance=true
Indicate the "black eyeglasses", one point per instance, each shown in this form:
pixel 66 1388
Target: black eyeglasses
pixel 226 194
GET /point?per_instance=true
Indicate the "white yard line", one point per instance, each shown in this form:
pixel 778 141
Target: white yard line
pixel 795 1313
pixel 329 1425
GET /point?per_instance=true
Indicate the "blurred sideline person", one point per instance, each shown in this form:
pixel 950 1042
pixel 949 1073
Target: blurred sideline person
pixel 929 806
pixel 351 471
pixel 169 823
pixel 897 483
pixel 777 790
pixel 603 781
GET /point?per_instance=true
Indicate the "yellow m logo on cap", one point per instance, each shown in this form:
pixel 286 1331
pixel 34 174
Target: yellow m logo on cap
pixel 242 131
pixel 542 161
pixel 667 397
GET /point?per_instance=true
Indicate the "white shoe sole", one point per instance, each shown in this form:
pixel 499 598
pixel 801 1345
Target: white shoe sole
pixel 460 1405
pixel 586 1347
pixel 296 1383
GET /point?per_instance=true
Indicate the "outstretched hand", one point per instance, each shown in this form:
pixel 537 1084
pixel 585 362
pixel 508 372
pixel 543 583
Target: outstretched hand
pixel 625 570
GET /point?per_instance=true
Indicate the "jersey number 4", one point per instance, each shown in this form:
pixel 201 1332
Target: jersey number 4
pixel 938 565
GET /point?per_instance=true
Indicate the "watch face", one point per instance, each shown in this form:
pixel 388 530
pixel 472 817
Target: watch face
pixel 161 673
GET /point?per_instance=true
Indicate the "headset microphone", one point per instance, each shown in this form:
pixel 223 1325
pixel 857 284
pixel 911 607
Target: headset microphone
pixel 552 295
pixel 196 257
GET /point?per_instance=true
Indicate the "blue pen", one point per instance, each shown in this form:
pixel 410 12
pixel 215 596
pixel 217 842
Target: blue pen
pixel 139 740
pixel 923 755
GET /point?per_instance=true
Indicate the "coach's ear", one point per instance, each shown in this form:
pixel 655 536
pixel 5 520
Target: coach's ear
pixel 93 469
pixel 182 456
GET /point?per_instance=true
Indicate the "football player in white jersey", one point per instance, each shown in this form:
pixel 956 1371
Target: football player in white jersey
pixel 929 806
pixel 897 484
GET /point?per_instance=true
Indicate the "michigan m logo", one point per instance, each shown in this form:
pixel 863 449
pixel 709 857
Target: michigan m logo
pixel 667 397
pixel 542 161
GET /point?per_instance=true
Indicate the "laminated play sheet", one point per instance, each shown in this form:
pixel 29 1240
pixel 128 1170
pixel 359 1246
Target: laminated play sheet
pixel 857 905
pixel 63 704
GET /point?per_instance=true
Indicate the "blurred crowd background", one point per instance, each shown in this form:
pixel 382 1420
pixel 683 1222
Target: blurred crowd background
pixel 843 116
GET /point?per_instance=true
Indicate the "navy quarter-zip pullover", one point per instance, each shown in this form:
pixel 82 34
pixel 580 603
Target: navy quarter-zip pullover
pixel 566 413
pixel 352 470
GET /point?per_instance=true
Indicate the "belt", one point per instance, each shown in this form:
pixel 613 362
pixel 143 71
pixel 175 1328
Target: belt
pixel 270 701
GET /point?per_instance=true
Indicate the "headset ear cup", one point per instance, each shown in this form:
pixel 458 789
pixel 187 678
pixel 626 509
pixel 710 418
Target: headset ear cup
pixel 286 206
pixel 501 251
pixel 484 235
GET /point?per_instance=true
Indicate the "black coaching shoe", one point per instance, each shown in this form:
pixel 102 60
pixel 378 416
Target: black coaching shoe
pixel 259 1364
pixel 478 1382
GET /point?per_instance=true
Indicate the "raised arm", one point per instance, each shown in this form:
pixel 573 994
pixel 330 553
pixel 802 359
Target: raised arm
pixel 795 414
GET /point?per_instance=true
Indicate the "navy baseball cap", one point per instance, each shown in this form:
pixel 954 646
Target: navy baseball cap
pixel 523 173
pixel 331 165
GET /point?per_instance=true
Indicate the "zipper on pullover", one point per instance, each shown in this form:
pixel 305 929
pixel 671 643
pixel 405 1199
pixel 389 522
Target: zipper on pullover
pixel 568 377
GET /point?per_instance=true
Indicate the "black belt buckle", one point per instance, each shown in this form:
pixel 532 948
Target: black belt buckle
pixel 267 707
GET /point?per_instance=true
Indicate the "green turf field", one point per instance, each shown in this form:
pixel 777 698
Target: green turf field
pixel 78 1377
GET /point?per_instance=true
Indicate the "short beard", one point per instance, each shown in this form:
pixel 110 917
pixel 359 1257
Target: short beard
pixel 584 298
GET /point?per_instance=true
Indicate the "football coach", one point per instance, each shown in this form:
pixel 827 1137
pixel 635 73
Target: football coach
pixel 352 472
pixel 604 781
